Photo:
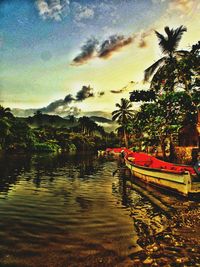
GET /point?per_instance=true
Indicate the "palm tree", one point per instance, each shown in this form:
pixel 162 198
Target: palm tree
pixel 5 112
pixel 122 115
pixel 87 125
pixel 165 68
pixel 176 67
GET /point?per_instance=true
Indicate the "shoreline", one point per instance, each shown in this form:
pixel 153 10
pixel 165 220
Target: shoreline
pixel 177 245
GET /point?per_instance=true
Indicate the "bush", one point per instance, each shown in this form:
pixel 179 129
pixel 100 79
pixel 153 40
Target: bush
pixel 46 147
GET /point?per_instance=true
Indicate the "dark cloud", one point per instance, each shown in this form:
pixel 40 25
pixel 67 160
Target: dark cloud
pixel 101 93
pixel 105 49
pixel 88 50
pixel 58 106
pixel 52 107
pixel 120 90
pixel 74 111
pixel 62 106
pixel 113 44
pixel 117 91
pixel 142 41
pixel 125 88
pixel 68 99
pixel 85 92
pixel 92 48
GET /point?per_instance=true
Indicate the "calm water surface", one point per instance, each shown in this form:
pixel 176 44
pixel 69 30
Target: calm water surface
pixel 61 210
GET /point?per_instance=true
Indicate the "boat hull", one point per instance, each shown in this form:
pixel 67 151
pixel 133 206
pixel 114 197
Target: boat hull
pixel 178 182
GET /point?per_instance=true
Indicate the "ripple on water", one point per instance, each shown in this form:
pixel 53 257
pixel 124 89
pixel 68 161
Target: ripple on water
pixel 61 210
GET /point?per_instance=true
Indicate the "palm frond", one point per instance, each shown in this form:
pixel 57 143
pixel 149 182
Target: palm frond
pixel 115 112
pixel 150 70
pixel 178 35
pixel 170 43
pixel 162 42
pixel 118 105
pixel 182 53
pixel 116 116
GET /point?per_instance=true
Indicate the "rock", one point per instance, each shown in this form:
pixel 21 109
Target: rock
pixel 148 261
pixel 163 262
pixel 182 260
pixel 152 248
pixel 154 264
pixel 136 262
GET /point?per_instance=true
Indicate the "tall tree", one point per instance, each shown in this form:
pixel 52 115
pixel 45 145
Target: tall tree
pixel 5 112
pixel 177 69
pixel 167 65
pixel 122 115
pixel 161 121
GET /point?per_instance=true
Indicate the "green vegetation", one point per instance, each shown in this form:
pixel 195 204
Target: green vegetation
pixel 169 108
pixel 50 133
pixel 172 101
pixel 123 115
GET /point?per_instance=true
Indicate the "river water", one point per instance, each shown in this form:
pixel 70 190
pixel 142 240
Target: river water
pixel 72 210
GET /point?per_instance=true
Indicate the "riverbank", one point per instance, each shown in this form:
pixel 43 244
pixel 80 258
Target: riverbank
pixel 177 245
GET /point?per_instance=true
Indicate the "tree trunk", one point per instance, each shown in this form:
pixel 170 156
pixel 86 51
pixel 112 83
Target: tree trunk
pixel 162 143
pixel 198 128
pixel 125 139
pixel 172 155
pixel 198 112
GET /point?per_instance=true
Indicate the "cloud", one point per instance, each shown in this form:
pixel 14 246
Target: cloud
pixel 101 93
pixel 54 106
pixel 129 86
pixel 157 1
pixel 117 91
pixel 52 9
pixel 81 12
pixel 92 49
pixel 182 6
pixel 85 92
pixel 142 43
pixel 74 111
pixel 113 44
pixel 88 51
pixel 105 49
pixel 62 106
pixel 68 99
pixel 59 107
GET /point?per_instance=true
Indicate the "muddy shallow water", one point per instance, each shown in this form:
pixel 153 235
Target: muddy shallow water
pixel 61 210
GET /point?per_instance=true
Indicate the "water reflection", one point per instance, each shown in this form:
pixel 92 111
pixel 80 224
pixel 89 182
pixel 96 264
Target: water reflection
pixel 69 210
pixel 59 210
pixel 11 167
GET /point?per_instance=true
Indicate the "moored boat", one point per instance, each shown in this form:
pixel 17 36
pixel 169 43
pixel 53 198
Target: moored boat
pixel 182 179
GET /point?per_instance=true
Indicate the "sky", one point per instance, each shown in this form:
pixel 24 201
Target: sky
pixel 73 56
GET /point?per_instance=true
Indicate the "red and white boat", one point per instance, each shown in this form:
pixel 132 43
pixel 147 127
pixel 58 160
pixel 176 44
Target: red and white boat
pixel 183 179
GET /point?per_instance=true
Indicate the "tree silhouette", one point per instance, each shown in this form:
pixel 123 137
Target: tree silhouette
pixel 122 115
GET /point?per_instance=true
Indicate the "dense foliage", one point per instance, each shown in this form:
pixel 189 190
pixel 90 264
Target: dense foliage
pixel 123 115
pixel 173 99
pixel 49 133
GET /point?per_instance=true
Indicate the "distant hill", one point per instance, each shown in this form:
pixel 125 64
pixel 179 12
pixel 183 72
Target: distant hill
pixel 48 120
pixel 97 113
pixel 18 112
pixel 100 119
